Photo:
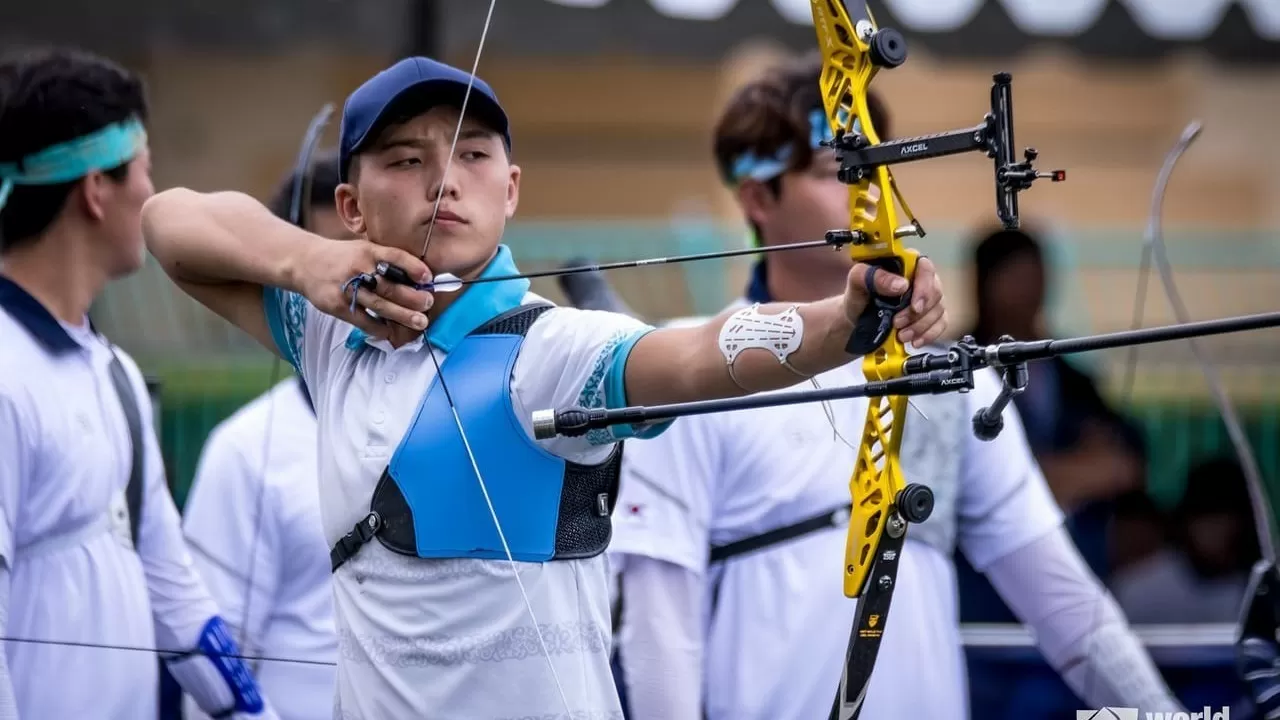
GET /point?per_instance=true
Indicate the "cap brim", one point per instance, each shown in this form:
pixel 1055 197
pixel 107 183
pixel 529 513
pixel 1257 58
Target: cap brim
pixel 420 97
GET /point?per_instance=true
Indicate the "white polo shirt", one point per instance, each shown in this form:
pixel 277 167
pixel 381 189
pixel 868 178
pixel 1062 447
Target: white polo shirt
pixel 775 647
pixel 64 530
pixel 452 639
pixel 253 519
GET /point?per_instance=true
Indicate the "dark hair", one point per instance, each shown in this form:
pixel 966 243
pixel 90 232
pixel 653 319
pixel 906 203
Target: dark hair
pixel 51 96
pixel 1215 486
pixel 998 247
pixel 772 112
pixel 323 181
pixel 994 248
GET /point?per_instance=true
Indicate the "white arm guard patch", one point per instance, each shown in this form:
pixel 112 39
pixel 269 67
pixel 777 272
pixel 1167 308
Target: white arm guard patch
pixel 748 328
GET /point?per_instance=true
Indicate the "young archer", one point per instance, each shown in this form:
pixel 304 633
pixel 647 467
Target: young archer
pixel 94 574
pixel 445 615
pixel 732 527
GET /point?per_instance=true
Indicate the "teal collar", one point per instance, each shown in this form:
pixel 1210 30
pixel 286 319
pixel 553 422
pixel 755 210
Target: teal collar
pixel 478 304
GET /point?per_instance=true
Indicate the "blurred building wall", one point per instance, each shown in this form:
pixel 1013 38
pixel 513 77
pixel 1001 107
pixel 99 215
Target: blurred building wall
pixel 628 140
pixel 615 145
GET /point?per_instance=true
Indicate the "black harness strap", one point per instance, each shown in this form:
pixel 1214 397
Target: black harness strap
pixel 350 544
pixel 129 401
pixel 835 518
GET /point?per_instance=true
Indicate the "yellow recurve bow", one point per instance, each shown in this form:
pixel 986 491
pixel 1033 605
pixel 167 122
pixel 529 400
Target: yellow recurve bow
pixel 853 51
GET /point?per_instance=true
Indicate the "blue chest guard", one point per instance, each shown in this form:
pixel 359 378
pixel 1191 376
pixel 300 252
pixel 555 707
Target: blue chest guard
pixel 429 503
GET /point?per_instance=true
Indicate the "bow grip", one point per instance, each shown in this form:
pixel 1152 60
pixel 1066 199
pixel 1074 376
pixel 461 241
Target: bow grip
pixel 874 325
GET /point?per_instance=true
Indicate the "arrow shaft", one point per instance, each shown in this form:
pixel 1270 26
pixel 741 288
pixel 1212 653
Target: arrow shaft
pixel 637 263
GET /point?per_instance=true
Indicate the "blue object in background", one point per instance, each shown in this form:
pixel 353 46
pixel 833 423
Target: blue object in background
pixel 170 695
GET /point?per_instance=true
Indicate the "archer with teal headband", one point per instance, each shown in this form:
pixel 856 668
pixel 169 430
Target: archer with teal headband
pixel 83 496
pixel 104 149
pixel 768 139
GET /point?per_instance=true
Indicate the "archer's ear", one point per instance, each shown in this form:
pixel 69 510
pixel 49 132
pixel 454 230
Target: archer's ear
pixel 92 193
pixel 756 199
pixel 347 203
pixel 513 191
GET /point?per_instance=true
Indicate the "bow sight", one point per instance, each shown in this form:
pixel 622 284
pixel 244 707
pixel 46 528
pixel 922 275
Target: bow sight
pixel 994 136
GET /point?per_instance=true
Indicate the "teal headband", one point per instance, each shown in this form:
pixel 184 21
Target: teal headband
pixel 749 166
pixel 109 147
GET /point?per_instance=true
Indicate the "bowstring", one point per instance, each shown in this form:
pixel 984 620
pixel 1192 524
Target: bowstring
pixel 163 651
pixel 453 408
pixel 298 202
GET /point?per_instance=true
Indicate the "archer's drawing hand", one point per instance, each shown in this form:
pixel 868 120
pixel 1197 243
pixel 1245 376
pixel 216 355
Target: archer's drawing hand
pixel 326 274
pixel 920 324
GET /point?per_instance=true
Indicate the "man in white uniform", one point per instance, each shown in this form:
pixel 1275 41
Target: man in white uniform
pixel 761 634
pixel 485 594
pixel 94 575
pixel 252 519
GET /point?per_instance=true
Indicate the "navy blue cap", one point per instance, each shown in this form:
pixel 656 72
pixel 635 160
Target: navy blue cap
pixel 363 115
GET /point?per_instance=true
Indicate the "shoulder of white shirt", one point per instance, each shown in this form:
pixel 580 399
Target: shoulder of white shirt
pixel 279 406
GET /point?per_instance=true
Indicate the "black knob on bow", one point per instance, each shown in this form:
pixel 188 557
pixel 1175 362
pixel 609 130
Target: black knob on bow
pixel 888 48
pixel 915 503
pixel 987 424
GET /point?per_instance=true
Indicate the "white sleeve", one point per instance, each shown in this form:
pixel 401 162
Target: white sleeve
pixel 231 530
pixel 574 357
pixel 660 641
pixel 1004 500
pixel 180 604
pixel 661 540
pixel 16 438
pixel 184 614
pixel 665 495
pixel 1078 626
pixel 8 704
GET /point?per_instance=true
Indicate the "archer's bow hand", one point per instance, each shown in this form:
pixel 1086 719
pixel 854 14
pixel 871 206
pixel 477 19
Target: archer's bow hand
pixel 872 294
pixel 341 278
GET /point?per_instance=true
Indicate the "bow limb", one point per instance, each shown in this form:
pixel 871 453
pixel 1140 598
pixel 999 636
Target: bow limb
pixel 1155 244
pixel 1257 649
pixel 453 408
pixel 853 51
pixel 299 189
